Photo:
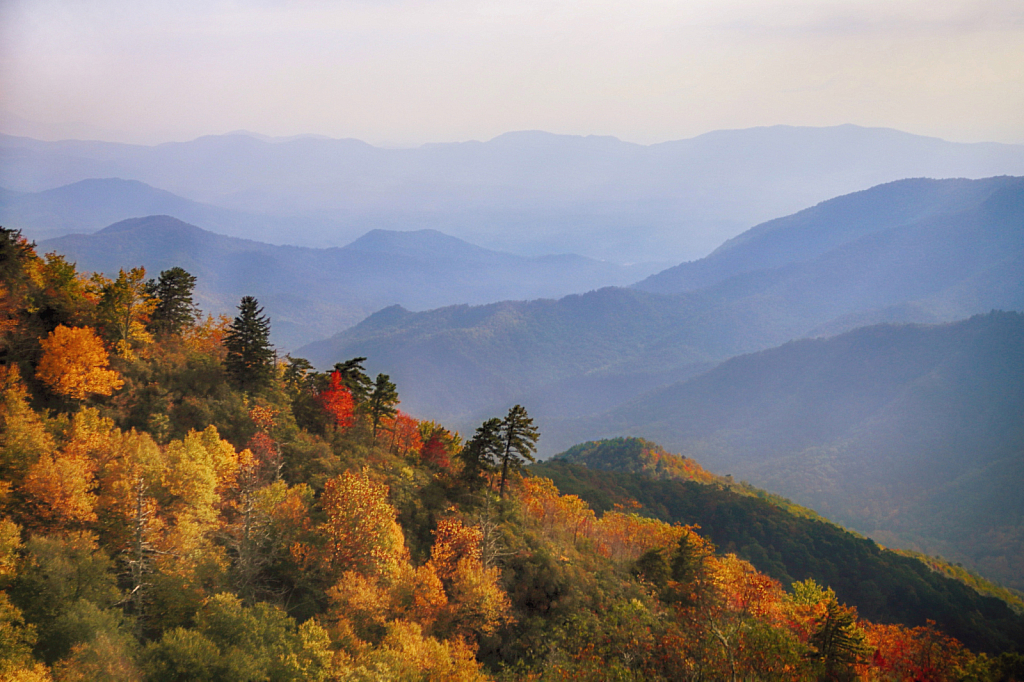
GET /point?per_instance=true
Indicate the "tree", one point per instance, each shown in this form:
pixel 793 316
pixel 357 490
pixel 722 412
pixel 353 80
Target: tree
pixel 840 644
pixel 482 452
pixel 74 364
pixel 125 306
pixel 175 308
pixel 519 442
pixel 360 531
pixel 337 402
pixel 353 376
pixel 250 357
pixel 382 402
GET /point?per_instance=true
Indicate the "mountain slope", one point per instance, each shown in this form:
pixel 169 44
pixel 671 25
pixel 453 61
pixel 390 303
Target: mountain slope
pixel 526 192
pixel 310 293
pixel 883 585
pixel 801 237
pixel 911 434
pixel 583 354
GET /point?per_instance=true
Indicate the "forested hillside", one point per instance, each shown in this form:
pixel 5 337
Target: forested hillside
pixel 783 540
pixel 912 434
pixel 586 353
pixel 313 293
pixel 179 504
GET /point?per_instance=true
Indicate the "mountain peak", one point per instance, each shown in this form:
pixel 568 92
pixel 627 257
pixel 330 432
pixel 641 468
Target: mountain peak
pixel 153 223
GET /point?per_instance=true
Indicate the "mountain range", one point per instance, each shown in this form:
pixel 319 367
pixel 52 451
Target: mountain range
pixel 531 193
pixel 311 293
pixel 946 250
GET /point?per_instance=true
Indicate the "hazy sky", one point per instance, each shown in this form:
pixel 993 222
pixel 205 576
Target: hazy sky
pixel 412 71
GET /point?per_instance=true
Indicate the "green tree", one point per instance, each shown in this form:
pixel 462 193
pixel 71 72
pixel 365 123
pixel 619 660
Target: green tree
pixel 383 401
pixel 125 306
pixel 250 357
pixel 519 442
pixel 175 308
pixel 353 376
pixel 482 453
pixel 839 642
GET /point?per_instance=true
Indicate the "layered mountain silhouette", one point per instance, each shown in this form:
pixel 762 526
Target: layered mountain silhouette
pixel 941 251
pixel 525 192
pixel 310 293
pixel 90 205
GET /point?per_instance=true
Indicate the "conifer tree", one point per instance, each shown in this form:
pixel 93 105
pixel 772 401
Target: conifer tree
pixel 250 357
pixel 382 402
pixel 175 308
pixel 519 442
pixel 482 452
pixel 353 376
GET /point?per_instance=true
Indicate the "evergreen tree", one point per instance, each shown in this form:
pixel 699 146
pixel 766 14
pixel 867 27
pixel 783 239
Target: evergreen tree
pixel 250 357
pixel 482 452
pixel 382 402
pixel 175 309
pixel 839 642
pixel 519 442
pixel 353 376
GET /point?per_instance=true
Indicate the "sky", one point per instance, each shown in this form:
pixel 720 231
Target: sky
pixel 408 72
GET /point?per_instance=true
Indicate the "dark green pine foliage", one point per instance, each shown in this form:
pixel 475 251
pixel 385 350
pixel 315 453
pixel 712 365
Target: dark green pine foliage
pixel 175 309
pixel 250 357
pixel 482 453
pixel 353 376
pixel 519 442
pixel 839 643
pixel 383 401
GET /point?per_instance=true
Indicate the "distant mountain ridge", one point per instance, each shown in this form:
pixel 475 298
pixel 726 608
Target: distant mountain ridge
pixel 799 237
pixel 90 205
pixel 526 192
pixel 584 354
pixel 310 293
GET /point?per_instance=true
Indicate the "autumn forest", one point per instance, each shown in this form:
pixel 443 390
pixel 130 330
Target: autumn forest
pixel 182 502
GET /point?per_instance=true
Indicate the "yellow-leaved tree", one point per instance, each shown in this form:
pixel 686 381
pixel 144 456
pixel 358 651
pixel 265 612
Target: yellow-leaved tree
pixel 75 364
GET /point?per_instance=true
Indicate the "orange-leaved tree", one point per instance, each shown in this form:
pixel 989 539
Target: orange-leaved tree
pixel 360 531
pixel 75 364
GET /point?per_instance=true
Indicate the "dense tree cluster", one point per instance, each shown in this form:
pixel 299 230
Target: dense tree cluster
pixel 177 503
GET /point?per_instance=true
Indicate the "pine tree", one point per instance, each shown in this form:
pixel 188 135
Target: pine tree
pixel 519 442
pixel 250 357
pixel 382 402
pixel 482 452
pixel 175 308
pixel 353 376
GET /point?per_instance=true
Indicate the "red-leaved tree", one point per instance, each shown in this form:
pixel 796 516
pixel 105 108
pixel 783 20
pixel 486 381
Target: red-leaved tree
pixel 337 402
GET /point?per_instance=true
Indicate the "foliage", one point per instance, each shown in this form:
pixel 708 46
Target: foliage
pixel 75 364
pixel 190 527
pixel 250 357
pixel 382 402
pixel 175 310
pixel 518 442
pixel 124 309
